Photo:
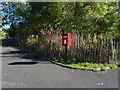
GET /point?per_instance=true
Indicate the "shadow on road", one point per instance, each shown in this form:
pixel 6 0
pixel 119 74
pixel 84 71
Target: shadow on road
pixel 13 52
pixel 20 54
pixel 9 43
pixel 23 63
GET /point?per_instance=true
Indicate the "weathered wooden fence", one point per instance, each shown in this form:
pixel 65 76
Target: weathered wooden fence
pixel 85 47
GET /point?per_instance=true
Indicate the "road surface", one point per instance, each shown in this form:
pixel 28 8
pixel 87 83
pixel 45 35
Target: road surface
pixel 21 72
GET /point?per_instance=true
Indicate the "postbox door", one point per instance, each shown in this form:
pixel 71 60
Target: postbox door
pixel 64 42
pixel 64 39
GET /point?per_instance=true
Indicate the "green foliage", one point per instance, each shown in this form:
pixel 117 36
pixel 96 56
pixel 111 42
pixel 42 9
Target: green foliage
pixel 102 67
pixel 72 16
pixel 2 34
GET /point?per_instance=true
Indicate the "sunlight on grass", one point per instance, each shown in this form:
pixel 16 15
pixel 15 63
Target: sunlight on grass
pixel 91 66
pixel 86 65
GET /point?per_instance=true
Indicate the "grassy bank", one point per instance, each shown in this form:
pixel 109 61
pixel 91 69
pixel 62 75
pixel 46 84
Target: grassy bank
pixel 88 66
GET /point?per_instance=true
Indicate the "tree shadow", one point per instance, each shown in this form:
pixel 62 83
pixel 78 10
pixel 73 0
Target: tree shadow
pixel 21 54
pixel 14 52
pixel 23 63
pixel 9 43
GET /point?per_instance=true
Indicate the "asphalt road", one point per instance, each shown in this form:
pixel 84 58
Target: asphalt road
pixel 19 72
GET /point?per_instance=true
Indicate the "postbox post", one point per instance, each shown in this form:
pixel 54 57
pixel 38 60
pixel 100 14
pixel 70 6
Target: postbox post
pixel 65 57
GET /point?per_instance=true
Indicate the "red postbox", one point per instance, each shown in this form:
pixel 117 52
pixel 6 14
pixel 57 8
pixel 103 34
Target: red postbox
pixel 66 39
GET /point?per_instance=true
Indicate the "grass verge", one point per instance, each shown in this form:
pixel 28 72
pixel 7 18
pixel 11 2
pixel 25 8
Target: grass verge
pixel 89 66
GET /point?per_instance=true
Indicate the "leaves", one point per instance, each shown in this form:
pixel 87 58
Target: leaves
pixel 68 16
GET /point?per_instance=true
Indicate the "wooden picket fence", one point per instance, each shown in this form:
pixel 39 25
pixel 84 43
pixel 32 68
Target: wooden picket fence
pixel 85 47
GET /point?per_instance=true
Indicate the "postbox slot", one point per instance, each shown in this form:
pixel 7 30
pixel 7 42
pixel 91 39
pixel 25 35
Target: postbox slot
pixel 64 36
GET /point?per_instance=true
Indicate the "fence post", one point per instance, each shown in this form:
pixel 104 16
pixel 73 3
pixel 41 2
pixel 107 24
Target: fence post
pixel 112 49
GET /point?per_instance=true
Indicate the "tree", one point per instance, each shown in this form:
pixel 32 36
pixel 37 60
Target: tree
pixel 32 17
